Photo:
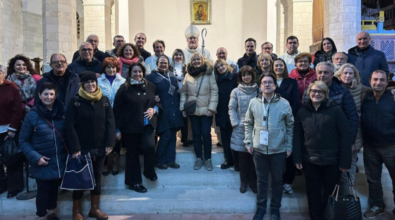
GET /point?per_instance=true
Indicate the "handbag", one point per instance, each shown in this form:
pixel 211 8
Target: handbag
pixel 190 106
pixel 346 207
pixel 10 152
pixel 78 174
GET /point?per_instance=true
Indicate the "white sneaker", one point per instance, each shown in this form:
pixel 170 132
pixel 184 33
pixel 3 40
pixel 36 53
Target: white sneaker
pixel 288 189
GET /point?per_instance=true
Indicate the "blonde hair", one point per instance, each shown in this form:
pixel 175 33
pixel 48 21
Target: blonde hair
pixel 228 67
pixel 267 56
pixel 354 69
pixel 321 85
pixel 199 55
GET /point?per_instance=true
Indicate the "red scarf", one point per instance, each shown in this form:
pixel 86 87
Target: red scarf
pixel 122 60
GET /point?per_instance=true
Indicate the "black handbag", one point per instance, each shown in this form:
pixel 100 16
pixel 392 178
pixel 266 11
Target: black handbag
pixel 190 106
pixel 10 152
pixel 346 207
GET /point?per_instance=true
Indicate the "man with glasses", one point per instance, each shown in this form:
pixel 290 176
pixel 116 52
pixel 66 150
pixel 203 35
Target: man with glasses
pixel 192 35
pixel 140 39
pixel 86 61
pixel 249 58
pixel 118 41
pixel 66 81
pixel 98 54
pixel 267 47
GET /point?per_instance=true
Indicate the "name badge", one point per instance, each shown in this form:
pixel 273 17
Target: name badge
pixel 172 89
pixel 264 138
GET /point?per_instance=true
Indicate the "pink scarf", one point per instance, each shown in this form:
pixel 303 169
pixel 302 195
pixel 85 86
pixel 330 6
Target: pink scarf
pixel 122 60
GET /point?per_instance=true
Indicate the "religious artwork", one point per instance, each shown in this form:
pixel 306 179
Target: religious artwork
pixel 201 11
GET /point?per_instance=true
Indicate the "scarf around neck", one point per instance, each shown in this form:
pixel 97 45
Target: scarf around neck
pixel 196 71
pixel 94 96
pixel 135 82
pixel 56 113
pixel 26 85
pixel 126 61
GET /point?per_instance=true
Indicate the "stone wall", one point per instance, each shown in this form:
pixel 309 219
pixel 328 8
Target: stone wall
pixel 33 35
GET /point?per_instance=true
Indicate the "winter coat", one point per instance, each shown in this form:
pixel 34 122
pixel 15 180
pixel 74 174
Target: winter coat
pixel 112 53
pixel 289 90
pixel 238 105
pixel 99 55
pixel 170 116
pixel 378 120
pixel 208 95
pixel 280 125
pixel 367 62
pixel 248 61
pixel 225 87
pixel 71 88
pixel 90 126
pixel 150 63
pixel 125 68
pixel 321 56
pixel 79 66
pixel 37 138
pixel 130 104
pixel 108 89
pixel 145 54
pixel 10 105
pixel 303 83
pixel 323 136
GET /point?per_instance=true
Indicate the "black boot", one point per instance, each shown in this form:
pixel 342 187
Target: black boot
pixel 259 214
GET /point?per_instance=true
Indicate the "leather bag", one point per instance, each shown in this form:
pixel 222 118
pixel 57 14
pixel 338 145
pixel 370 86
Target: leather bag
pixel 190 106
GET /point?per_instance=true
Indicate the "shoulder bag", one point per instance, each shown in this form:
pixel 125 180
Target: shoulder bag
pixel 190 106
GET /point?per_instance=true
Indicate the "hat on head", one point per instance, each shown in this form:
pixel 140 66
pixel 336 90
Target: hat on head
pixel 87 75
pixel 192 30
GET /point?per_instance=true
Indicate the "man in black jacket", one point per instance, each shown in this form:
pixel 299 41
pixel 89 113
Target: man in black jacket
pixel 98 54
pixel 249 57
pixel 86 61
pixel 66 81
pixel 378 130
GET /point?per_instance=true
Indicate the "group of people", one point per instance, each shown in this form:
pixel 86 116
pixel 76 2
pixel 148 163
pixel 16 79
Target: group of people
pixel 276 115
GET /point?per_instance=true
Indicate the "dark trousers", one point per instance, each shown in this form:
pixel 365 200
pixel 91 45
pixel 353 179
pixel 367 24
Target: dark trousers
pixel 13 181
pixel 201 127
pixel 274 165
pixel 247 169
pixel 374 158
pixel 290 169
pixel 167 146
pixel 184 131
pixel 47 195
pixel 132 143
pixel 97 164
pixel 320 178
pixel 226 134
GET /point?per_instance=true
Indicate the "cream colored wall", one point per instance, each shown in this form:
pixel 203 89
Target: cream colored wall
pixel 233 21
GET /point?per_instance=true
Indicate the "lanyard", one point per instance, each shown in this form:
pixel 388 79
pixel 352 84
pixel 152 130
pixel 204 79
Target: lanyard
pixel 168 77
pixel 265 112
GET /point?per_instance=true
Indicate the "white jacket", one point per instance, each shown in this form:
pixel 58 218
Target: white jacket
pixel 110 90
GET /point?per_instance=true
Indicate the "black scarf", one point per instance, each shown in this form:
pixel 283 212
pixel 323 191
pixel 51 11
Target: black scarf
pixel 56 113
pixel 196 71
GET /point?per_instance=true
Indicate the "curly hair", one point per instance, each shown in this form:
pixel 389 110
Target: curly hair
pixel 26 60
pixel 136 52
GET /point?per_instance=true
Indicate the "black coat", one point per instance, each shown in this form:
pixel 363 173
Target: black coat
pixel 145 54
pixel 90 126
pixel 99 55
pixel 71 84
pixel 225 87
pixel 80 66
pixel 289 91
pixel 130 103
pixel 378 120
pixel 321 56
pixel 322 137
pixel 246 60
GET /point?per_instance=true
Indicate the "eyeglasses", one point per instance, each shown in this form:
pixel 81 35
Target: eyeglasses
pixel 86 50
pixel 267 83
pixel 319 92
pixel 303 61
pixel 59 62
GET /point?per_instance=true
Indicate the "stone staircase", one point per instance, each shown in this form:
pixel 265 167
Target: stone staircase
pixel 185 190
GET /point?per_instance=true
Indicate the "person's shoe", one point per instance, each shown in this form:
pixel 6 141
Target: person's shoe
pixel 13 194
pixel 198 164
pixel 3 185
pixel 161 166
pixel 138 188
pixel 209 165
pixel 219 144
pixel 226 165
pixel 373 212
pixel 42 218
pixel 275 214
pixel 51 215
pixel 259 214
pixel 77 205
pixel 243 187
pixel 95 212
pixel 154 178
pixel 288 189
pixel 237 168
pixel 173 165
pixel 115 163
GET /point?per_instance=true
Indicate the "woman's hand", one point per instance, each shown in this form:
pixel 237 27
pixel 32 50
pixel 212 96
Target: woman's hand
pixel 75 155
pixel 344 170
pixel 157 99
pixel 10 134
pixel 289 153
pixel 184 114
pixel 298 166
pixel 108 150
pixel 43 161
pixel 209 113
pixel 250 150
pixel 149 113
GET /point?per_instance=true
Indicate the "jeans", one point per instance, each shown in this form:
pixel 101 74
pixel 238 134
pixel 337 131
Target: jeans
pixel 226 134
pixel 97 164
pixel 320 178
pixel 201 127
pixel 374 158
pixel 272 164
pixel 47 195
pixel 247 169
pixel 167 147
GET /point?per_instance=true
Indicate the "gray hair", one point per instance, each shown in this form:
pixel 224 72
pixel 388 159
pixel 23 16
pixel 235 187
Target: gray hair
pixel 83 43
pixel 3 69
pixel 343 53
pixel 328 64
pixel 91 35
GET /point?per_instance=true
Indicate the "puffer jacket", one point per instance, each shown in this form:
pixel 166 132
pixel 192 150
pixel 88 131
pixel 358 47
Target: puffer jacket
pixel 323 136
pixel 280 125
pixel 208 95
pixel 238 104
pixel 108 89
pixel 303 83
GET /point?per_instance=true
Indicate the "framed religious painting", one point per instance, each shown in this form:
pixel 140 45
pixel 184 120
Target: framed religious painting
pixel 200 11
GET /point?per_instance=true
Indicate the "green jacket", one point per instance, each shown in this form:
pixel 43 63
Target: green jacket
pixel 280 125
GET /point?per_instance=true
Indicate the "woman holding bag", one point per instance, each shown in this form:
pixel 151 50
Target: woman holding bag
pixel 41 140
pixel 90 129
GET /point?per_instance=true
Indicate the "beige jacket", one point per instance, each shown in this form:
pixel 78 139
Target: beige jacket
pixel 208 95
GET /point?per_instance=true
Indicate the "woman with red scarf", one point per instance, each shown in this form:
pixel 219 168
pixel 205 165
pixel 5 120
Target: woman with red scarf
pixel 128 54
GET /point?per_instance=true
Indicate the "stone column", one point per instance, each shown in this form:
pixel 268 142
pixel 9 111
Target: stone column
pixel 59 28
pixel 97 20
pixel 300 22
pixel 124 21
pixel 11 30
pixel 1 35
pixel 342 22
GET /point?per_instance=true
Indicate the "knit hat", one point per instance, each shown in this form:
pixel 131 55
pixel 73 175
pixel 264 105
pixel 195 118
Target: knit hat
pixel 87 75
pixel 192 30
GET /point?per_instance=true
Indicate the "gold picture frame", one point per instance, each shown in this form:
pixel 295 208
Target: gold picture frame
pixel 200 11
